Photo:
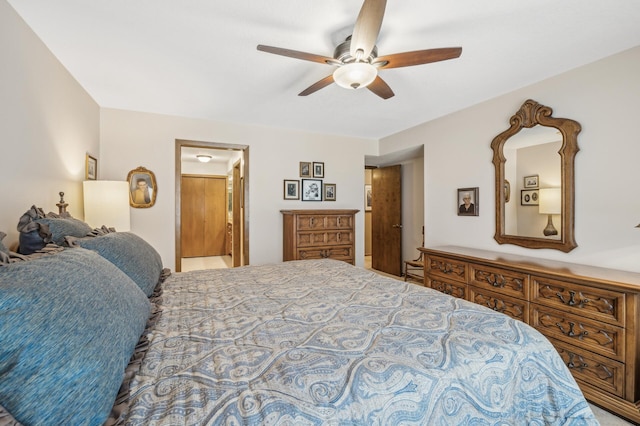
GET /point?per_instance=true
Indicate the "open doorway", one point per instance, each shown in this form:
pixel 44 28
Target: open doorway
pixel 412 204
pixel 211 205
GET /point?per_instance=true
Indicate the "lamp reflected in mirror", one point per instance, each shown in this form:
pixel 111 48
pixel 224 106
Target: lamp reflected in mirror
pixel 550 204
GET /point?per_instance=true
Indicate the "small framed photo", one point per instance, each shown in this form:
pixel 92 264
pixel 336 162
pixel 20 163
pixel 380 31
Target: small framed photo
pixel 367 198
pixel 468 202
pixel 305 169
pixel 90 168
pixel 311 190
pixel 318 170
pixel 529 197
pixel 291 189
pixel 531 181
pixel 142 188
pixel 329 191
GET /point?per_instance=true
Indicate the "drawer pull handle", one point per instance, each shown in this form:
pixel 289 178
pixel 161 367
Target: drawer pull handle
pixel 579 365
pixel 572 299
pixel 311 221
pixel 338 220
pixel 571 332
pixel 338 236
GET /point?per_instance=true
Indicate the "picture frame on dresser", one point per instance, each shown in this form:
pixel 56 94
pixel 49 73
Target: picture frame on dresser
pixel 291 189
pixel 311 190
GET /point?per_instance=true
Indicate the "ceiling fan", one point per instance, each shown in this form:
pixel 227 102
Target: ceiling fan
pixel 357 59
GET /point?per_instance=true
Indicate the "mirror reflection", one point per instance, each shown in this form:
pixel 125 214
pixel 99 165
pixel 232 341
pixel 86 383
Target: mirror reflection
pixel 532 165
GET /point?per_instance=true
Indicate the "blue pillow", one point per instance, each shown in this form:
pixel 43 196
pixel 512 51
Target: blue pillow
pixel 61 227
pixel 133 255
pixel 69 323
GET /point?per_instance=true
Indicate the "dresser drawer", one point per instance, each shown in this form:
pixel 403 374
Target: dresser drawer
pixel 344 253
pixel 604 339
pixel 329 221
pixel 595 370
pixel 449 287
pixel 514 307
pixel 446 268
pixel 505 282
pixel 309 239
pixel 596 303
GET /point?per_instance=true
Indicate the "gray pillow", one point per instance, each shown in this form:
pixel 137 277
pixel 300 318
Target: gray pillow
pixel 61 227
pixel 70 323
pixel 133 255
pixel 4 251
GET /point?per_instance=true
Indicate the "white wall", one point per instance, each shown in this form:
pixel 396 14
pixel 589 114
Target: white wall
pixel 603 98
pixel 274 155
pixel 48 125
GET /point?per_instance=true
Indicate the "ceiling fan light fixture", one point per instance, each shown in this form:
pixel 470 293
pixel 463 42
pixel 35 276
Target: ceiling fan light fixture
pixel 355 75
pixel 203 158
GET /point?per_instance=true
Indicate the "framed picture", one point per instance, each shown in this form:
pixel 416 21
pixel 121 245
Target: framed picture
pixel 529 197
pixel 329 191
pixel 311 190
pixel 507 191
pixel 142 188
pixel 367 198
pixel 468 202
pixel 318 170
pixel 531 181
pixel 291 189
pixel 305 169
pixel 90 168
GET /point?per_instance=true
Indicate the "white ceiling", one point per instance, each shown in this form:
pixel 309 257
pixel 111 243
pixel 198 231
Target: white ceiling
pixel 198 58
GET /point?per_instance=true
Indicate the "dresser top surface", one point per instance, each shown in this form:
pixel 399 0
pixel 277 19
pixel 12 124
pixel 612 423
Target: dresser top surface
pixel 629 280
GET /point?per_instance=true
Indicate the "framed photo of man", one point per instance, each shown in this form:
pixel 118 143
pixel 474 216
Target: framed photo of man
pixel 143 188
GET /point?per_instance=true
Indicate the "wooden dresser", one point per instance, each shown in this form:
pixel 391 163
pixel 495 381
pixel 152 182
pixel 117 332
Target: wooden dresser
pixel 591 315
pixel 319 234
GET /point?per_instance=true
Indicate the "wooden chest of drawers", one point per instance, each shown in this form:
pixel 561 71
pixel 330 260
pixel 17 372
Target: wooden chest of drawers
pixel 319 234
pixel 591 315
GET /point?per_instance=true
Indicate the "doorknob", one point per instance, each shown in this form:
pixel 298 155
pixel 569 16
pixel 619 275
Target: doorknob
pixel 397 225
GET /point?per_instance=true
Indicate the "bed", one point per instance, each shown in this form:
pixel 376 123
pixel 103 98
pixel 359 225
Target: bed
pixel 313 342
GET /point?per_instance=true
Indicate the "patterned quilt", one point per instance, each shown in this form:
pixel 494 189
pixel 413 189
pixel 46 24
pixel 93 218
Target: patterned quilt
pixel 325 343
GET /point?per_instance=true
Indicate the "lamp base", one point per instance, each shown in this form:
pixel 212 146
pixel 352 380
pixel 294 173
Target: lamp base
pixel 550 229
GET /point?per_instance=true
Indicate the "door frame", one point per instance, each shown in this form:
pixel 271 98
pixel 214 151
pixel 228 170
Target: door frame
pixel 178 190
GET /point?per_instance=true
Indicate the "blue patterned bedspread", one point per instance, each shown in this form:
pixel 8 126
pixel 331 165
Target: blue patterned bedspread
pixel 325 343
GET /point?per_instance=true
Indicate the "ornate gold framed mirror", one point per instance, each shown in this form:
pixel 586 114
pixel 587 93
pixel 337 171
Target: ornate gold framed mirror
pixel 536 154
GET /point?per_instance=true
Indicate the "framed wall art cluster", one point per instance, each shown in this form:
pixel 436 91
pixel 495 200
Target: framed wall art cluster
pixel 311 186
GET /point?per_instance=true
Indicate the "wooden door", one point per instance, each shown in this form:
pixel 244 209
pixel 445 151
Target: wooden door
pixel 204 215
pixel 386 219
pixel 237 217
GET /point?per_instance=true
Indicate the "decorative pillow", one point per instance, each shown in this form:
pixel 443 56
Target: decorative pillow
pixel 133 255
pixel 68 226
pixel 70 322
pixel 4 251
pixel 37 229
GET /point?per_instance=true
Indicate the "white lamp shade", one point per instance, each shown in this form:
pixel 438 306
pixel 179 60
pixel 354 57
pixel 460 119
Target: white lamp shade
pixel 355 75
pixel 106 202
pixel 550 201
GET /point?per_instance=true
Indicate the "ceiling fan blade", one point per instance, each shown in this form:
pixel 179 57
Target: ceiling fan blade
pixel 381 88
pixel 367 28
pixel 317 86
pixel 418 57
pixel 298 55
